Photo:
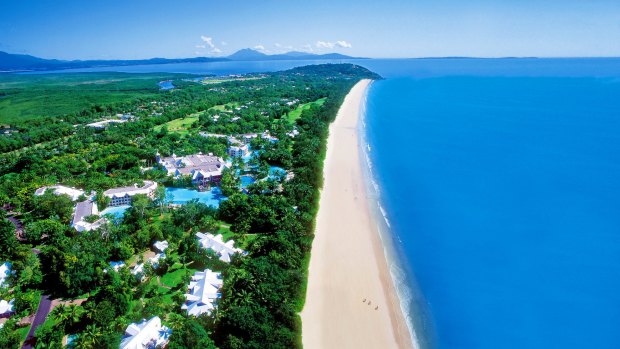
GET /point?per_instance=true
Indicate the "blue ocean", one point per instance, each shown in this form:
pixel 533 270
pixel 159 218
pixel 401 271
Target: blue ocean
pixel 501 182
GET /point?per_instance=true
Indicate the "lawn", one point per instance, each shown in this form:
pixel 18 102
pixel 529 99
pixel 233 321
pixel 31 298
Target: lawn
pixel 296 114
pixel 173 279
pixel 179 126
pixel 182 126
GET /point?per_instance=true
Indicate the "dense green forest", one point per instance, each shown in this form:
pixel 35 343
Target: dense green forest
pixel 273 219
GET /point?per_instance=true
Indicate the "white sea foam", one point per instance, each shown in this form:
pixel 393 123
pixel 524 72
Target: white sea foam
pixel 403 285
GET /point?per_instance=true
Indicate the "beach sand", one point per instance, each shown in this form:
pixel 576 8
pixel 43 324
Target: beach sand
pixel 347 264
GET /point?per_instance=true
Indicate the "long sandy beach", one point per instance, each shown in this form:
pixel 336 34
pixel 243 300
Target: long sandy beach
pixel 350 301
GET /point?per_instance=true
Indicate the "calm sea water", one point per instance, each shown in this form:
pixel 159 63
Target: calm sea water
pixel 502 178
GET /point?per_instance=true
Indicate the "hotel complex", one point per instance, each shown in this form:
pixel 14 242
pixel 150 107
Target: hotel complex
pixel 123 195
pixel 201 168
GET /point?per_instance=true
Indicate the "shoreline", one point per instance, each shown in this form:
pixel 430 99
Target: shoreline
pixel 349 261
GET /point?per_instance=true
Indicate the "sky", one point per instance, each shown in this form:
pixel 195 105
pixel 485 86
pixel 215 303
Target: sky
pixel 135 29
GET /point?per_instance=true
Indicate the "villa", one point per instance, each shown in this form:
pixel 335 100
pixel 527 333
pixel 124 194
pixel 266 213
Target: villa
pixel 138 269
pixel 73 193
pixel 117 265
pixel 6 308
pixel 123 195
pixel 203 293
pixel 199 167
pixel 5 272
pixel 224 249
pixel 238 150
pixel 161 246
pixel 146 335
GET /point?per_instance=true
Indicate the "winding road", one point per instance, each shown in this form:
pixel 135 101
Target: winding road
pixel 45 306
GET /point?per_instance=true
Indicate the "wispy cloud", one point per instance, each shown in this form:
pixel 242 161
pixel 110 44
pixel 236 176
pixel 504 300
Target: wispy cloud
pixel 208 44
pixel 260 48
pixel 208 40
pixel 328 44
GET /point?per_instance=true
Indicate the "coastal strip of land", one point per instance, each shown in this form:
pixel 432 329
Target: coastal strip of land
pixel 351 301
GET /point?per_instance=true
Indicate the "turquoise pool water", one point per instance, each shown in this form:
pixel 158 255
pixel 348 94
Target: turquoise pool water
pixel 116 211
pixel 181 196
pixel 247 180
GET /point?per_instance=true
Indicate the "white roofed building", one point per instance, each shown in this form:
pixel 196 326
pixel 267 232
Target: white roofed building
pixel 5 272
pixel 146 335
pixel 73 193
pixel 122 196
pixel 82 210
pixel 161 246
pixel 199 167
pixel 203 293
pixel 6 308
pixel 225 250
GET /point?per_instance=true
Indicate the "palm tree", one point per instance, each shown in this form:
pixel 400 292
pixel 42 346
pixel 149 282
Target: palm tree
pixel 61 314
pixel 90 338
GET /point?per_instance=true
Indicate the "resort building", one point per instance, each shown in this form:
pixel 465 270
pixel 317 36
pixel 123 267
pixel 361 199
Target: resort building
pixel 224 249
pixel 161 246
pixel 84 209
pixel 5 272
pixel 6 308
pixel 123 195
pixel 105 123
pixel 199 167
pixel 138 269
pixel 203 293
pixel 238 150
pixel 146 335
pixel 247 138
pixel 117 265
pixel 73 193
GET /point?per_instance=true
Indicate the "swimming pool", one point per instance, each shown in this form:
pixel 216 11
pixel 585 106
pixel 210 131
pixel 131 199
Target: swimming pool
pixel 181 196
pixel 116 211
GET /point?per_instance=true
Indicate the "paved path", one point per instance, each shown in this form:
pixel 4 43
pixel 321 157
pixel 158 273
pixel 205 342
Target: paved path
pixel 45 305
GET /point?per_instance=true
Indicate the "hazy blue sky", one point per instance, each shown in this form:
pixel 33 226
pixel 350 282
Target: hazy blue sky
pixel 86 29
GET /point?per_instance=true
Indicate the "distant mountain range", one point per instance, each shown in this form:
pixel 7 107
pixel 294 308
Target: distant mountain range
pixel 17 62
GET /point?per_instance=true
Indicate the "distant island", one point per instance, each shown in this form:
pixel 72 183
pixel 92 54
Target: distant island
pixel 10 62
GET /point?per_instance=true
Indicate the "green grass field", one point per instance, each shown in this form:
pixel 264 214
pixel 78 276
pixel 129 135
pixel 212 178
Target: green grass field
pixel 296 114
pixel 26 97
pixel 179 126
pixel 182 126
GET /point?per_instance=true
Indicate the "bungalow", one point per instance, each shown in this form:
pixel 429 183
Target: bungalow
pixel 123 195
pixel 5 272
pixel 203 293
pixel 161 246
pixel 73 193
pixel 224 249
pixel 199 167
pixel 6 308
pixel 117 265
pixel 146 335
